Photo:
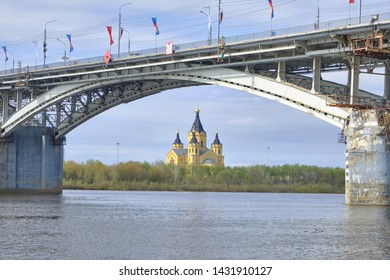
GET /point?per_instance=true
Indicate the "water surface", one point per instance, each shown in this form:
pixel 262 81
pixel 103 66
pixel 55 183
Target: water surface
pixel 185 225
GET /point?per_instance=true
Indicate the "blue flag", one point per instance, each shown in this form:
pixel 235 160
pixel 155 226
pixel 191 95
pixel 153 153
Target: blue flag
pixel 5 53
pixel 155 25
pixel 70 42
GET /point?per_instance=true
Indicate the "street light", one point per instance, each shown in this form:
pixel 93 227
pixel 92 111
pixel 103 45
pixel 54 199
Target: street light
pixel 64 58
pixel 117 153
pixel 268 154
pixel 44 42
pixel 209 17
pixel 119 31
pixel 128 45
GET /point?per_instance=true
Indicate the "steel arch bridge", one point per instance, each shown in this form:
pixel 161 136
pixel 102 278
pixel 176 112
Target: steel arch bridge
pixel 286 69
pixel 68 105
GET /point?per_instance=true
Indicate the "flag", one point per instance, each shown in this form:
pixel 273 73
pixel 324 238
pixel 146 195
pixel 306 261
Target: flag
pixel 109 29
pixel 221 16
pixel 272 8
pixel 121 33
pixel 351 1
pixel 155 25
pixel 70 42
pixel 5 53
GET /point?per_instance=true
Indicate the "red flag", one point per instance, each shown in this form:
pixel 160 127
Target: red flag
pixel 109 29
pixel 107 57
pixel 272 8
pixel 351 1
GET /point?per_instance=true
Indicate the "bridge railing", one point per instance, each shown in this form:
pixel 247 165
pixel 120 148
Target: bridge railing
pixel 205 43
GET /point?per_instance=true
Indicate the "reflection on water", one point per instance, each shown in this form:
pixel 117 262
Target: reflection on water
pixel 170 225
pixel 370 227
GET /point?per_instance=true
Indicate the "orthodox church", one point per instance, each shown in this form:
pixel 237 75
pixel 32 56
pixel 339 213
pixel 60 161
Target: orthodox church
pixel 197 152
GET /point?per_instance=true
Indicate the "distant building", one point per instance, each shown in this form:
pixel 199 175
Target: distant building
pixel 197 151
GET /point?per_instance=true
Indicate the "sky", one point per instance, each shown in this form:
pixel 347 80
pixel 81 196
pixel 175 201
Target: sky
pixel 252 130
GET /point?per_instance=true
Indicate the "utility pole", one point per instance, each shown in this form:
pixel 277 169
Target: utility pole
pixel 45 43
pixel 120 29
pixel 219 18
pixel 318 14
pixel 209 27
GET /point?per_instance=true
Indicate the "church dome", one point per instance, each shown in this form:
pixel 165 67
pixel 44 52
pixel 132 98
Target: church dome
pixel 197 125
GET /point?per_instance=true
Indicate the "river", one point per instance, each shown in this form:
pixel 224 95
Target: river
pixel 190 226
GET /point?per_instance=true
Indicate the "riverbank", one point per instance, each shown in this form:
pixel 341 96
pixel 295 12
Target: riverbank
pixel 137 176
pixel 214 188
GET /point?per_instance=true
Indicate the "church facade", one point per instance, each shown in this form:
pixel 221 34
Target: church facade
pixel 196 152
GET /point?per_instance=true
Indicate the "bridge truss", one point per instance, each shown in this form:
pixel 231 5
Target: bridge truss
pixel 286 69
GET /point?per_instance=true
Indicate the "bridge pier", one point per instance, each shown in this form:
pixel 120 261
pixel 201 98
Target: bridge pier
pixel 367 172
pixel 31 161
pixel 386 94
pixel 316 82
pixel 354 78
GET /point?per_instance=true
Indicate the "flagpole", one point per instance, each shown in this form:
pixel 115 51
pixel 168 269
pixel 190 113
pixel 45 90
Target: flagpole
pixel 349 14
pixel 360 11
pixel 219 18
pixel 155 41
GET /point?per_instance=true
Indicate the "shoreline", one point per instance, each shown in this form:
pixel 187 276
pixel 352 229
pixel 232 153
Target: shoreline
pixel 280 188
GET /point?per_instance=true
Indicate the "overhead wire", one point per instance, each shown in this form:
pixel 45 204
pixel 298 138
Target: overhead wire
pixel 185 24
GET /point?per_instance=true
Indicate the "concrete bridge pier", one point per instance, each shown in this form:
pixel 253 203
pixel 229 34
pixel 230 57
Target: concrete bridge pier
pixel 31 161
pixel 367 178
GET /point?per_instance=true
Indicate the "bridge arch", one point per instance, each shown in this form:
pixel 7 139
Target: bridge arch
pixel 69 105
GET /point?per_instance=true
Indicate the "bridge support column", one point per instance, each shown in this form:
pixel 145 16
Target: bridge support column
pixel 354 78
pixel 316 75
pixel 386 93
pixel 30 161
pixel 5 108
pixel 367 176
pixel 281 71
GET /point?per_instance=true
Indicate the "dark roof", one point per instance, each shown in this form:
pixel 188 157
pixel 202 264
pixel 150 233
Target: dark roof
pixel 197 125
pixel 209 161
pixel 216 140
pixel 193 139
pixel 180 152
pixel 177 140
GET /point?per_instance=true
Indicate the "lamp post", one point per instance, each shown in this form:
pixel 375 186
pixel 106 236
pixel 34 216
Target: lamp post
pixel 268 154
pixel 209 17
pixel 219 19
pixel 13 61
pixel 117 152
pixel 64 58
pixel 128 45
pixel 44 42
pixel 119 27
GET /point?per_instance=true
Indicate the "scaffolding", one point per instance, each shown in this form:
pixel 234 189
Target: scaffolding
pixel 372 46
pixel 360 103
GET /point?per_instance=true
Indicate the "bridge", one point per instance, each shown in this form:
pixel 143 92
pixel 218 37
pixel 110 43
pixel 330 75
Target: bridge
pixel 39 106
